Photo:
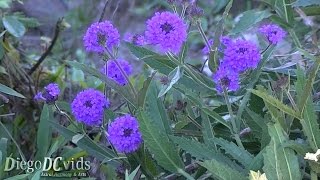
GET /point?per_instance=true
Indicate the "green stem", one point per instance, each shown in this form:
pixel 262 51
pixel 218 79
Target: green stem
pixel 236 130
pixel 203 34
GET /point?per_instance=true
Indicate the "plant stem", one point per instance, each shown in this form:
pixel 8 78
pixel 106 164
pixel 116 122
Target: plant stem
pixel 186 175
pixel 233 120
pixel 203 35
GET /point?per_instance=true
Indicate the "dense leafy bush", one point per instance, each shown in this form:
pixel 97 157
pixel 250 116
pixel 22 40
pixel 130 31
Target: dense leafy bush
pixel 197 94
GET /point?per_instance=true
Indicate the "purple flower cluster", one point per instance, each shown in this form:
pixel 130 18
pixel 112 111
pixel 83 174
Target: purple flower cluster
pixel 136 39
pixel 167 30
pixel 273 33
pixel 88 107
pixel 50 93
pixel 114 72
pixel 124 134
pixel 239 56
pixel 101 35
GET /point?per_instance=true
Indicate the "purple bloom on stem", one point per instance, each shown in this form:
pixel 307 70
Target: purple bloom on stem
pixel 88 106
pixel 124 134
pixel 273 33
pixel 167 30
pixel 50 93
pixel 101 35
pixel 241 55
pixel 114 72
pixel 226 78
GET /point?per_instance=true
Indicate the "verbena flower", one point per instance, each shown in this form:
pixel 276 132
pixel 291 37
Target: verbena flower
pixel 227 78
pixel 167 30
pixel 101 35
pixel 241 55
pixel 136 39
pixel 88 106
pixel 124 134
pixel 273 33
pixel 114 72
pixel 50 93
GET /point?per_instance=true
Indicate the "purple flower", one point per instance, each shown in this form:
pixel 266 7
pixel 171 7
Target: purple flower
pixel 224 40
pixel 273 33
pixel 167 30
pixel 241 55
pixel 137 39
pixel 50 93
pixel 101 35
pixel 227 78
pixel 124 134
pixel 88 106
pixel 114 72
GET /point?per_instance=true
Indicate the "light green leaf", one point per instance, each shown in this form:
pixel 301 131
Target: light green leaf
pixel 5 3
pixel 173 78
pixel 276 103
pixel 76 138
pixel 304 3
pixel 133 174
pixel 280 163
pixel 249 19
pixel 239 154
pixel 44 132
pixel 159 144
pixel 7 90
pixel 222 171
pixel 123 90
pixel 13 26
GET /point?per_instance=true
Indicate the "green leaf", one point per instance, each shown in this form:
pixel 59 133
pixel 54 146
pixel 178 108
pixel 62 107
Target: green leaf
pixel 309 119
pixel 284 10
pixel 13 26
pixel 154 107
pixel 249 19
pixel 275 102
pixel 3 151
pixel 304 3
pixel 280 163
pixel 5 3
pixel 222 171
pixel 123 90
pixel 18 177
pixel 207 130
pixel 44 132
pixel 159 144
pixel 132 175
pixel 7 90
pixel 173 78
pixel 143 91
pixel 239 154
pixel 101 153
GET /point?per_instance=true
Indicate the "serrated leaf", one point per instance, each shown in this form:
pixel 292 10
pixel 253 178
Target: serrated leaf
pixel 222 171
pixel 173 78
pixel 6 90
pixel 207 130
pixel 123 90
pixel 239 154
pixel 249 19
pixel 44 132
pixel 276 103
pixel 280 163
pixel 13 26
pixel 159 144
pixel 304 3
pixel 143 91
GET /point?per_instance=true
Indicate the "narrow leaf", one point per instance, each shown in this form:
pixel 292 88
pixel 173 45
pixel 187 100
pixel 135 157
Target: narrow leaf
pixel 7 90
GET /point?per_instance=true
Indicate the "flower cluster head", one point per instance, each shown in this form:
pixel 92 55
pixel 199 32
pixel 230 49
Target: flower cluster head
pixel 167 30
pixel 273 33
pixel 124 134
pixel 136 39
pixel 101 35
pixel 50 93
pixel 114 73
pixel 239 56
pixel 88 106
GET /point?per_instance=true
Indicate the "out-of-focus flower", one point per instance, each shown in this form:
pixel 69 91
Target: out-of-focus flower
pixel 167 30
pixel 136 39
pixel 227 78
pixel 124 134
pixel 194 12
pixel 88 106
pixel 273 33
pixel 241 55
pixel 114 72
pixel 50 93
pixel 101 35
